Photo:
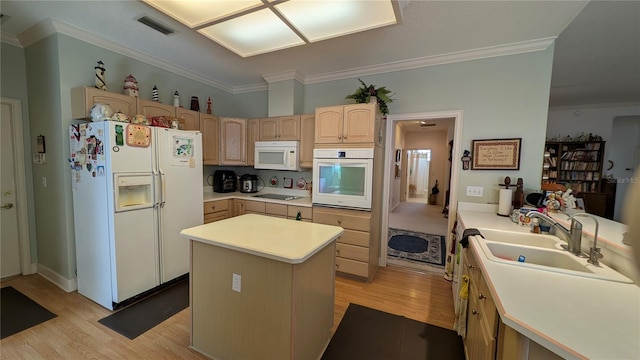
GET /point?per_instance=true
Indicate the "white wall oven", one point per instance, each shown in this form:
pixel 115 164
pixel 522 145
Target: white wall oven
pixel 343 178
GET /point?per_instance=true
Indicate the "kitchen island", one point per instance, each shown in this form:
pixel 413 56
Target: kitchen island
pixel 261 287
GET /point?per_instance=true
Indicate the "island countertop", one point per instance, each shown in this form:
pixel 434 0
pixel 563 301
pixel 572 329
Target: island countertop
pixel 279 239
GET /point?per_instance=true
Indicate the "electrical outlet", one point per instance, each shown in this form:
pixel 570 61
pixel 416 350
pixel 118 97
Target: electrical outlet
pixel 236 283
pixel 475 191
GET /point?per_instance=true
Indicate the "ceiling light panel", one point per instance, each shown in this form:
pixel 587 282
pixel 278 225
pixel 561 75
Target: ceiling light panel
pixel 194 13
pixel 338 17
pixel 252 34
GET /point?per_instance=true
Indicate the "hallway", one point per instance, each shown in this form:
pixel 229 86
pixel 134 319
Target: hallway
pixel 420 217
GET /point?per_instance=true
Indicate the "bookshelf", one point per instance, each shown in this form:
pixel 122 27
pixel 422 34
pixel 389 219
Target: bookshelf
pixel 578 163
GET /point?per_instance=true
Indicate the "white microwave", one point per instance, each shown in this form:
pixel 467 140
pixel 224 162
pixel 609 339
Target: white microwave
pixel 277 155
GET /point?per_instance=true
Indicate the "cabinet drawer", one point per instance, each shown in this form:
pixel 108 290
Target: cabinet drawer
pixel 306 212
pixel 352 237
pixel 279 210
pixel 254 207
pixel 347 219
pixel 352 252
pixel 214 206
pixel 216 216
pixel 488 307
pixel 352 267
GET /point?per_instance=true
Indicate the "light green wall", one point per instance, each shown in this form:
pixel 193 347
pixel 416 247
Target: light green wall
pixel 13 79
pixel 502 97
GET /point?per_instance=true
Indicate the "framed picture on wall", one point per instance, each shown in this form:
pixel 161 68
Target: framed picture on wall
pixel 496 154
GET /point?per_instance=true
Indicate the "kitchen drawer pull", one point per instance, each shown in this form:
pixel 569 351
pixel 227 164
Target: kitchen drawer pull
pixel 475 312
pixel 481 296
pixel 338 251
pixel 470 266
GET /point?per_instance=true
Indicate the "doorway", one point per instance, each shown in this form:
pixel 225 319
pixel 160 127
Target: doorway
pixel 15 248
pixel 418 162
pixel 393 213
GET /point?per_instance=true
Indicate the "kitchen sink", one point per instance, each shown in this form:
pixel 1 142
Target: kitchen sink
pixel 547 259
pixel 522 238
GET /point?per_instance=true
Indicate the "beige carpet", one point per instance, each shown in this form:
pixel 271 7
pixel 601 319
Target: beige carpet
pixel 419 217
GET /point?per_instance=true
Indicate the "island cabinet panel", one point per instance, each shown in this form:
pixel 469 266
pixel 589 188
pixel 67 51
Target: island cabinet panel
pixel 83 98
pixel 271 316
pixel 354 247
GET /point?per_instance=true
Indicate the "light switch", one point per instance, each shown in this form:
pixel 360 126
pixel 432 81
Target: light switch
pixel 236 282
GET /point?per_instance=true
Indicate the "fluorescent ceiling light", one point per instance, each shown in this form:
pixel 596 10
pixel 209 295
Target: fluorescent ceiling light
pixel 252 27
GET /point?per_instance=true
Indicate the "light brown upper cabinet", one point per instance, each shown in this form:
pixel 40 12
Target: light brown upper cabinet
pixel 150 108
pixel 345 124
pixel 233 138
pixel 280 128
pixel 307 131
pixel 83 98
pixel 210 128
pixel 191 118
pixel 253 135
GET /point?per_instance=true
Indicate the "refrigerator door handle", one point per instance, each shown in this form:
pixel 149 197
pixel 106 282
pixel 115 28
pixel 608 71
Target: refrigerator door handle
pixel 162 187
pixel 156 188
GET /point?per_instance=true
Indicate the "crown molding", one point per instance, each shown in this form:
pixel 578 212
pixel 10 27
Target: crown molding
pixel 10 39
pixel 285 75
pixel 467 55
pixel 595 106
pixel 49 27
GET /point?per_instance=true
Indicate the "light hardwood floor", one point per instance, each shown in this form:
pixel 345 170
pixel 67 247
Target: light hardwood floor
pixel 76 334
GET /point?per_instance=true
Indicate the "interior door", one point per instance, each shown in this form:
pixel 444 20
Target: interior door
pixel 10 249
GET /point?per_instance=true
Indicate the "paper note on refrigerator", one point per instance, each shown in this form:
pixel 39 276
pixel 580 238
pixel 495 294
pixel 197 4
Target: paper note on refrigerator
pixel 182 150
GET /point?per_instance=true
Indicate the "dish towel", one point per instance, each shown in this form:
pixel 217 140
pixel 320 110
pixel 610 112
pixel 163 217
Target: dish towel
pixel 460 325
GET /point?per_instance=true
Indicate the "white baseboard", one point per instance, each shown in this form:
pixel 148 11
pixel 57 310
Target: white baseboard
pixel 65 284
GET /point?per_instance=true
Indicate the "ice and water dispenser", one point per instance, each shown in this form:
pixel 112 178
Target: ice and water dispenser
pixel 133 191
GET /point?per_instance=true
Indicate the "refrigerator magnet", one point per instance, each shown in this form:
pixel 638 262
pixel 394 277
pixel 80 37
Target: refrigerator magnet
pixel 138 135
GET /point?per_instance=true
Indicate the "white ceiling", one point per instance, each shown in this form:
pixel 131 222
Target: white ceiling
pixel 597 53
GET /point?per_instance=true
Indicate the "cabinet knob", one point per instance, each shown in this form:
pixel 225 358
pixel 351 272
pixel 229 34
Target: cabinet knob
pixel 481 296
pixel 475 312
pixel 470 266
pixel 339 221
pixel 339 136
pixel 338 251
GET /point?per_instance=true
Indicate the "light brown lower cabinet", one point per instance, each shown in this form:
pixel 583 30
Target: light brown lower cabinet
pixel 353 249
pixel 487 336
pixel 216 210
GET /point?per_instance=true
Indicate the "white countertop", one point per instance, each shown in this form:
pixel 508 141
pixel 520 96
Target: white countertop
pixel 575 317
pixel 279 239
pixel 304 199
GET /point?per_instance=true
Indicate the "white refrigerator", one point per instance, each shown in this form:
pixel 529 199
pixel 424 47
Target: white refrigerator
pixel 134 189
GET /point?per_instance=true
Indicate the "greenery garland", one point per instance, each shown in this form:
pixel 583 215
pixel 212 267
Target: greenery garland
pixel 365 92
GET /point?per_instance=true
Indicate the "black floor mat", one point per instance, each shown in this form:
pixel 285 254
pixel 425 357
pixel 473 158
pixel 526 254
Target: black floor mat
pixel 136 319
pixel 18 312
pixel 370 334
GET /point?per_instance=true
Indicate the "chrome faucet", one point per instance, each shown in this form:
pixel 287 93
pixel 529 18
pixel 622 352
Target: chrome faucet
pixel 572 236
pixel 594 252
